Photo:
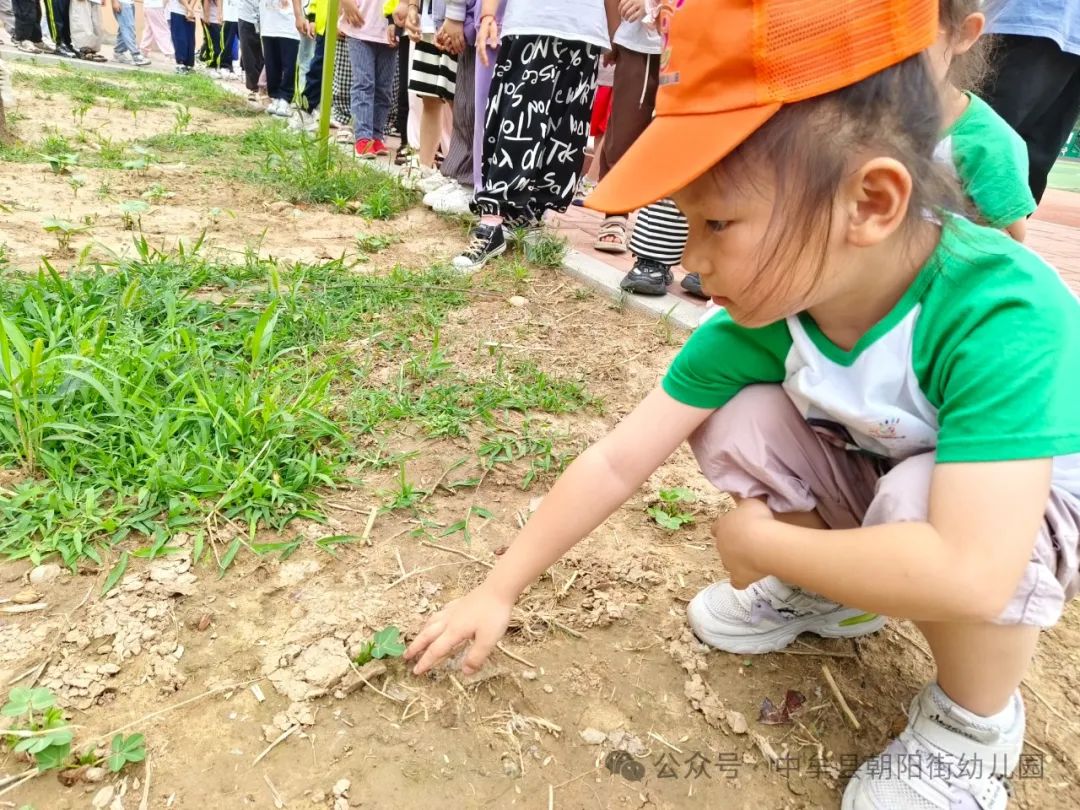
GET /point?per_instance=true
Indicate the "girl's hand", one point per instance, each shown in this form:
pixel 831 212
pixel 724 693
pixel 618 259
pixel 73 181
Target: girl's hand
pixel 632 10
pixel 351 12
pixel 736 535
pixel 412 23
pixel 487 36
pixel 401 11
pixel 451 37
pixel 480 616
pixel 391 36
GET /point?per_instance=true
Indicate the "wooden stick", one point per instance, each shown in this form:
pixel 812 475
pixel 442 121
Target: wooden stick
pixel 517 658
pixel 416 571
pixel 565 629
pixel 850 715
pixel 25 777
pixel 365 538
pixel 281 738
pixel 7 780
pixel 25 608
pixel 822 653
pixel 1045 702
pixel 153 715
pixel 551 797
pixel 372 686
pixel 662 741
pixel 913 642
pixel 278 801
pixel 144 803
pixel 457 551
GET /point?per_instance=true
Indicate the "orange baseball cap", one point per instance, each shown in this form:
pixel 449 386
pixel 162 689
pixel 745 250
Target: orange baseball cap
pixel 729 65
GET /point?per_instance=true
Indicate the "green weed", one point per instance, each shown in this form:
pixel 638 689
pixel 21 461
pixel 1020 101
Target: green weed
pixel 385 644
pixel 668 512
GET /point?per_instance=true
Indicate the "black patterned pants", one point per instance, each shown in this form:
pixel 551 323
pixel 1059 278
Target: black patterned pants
pixel 537 126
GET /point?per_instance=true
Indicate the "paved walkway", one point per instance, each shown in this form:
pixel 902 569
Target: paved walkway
pixel 1053 233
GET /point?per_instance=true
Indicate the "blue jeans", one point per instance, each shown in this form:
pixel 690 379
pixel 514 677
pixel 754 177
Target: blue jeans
pixel 125 30
pixel 373 65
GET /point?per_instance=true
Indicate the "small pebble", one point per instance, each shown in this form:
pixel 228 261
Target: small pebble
pixel 549 688
pixel 103 797
pixel 529 674
pixel 517 301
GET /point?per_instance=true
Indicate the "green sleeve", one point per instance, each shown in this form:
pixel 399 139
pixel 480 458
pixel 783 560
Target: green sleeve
pixel 992 164
pixel 721 358
pixel 997 351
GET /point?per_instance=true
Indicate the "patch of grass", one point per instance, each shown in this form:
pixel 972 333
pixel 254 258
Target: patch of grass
pixel 301 171
pixel 194 146
pixel 545 249
pixel 135 91
pixel 669 509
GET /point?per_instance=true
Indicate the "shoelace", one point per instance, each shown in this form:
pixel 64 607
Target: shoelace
pixel 478 244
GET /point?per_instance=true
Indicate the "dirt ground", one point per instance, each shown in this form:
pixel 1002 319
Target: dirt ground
pixel 599 660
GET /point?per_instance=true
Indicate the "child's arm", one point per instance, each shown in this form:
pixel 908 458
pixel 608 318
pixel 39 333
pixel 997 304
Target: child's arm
pixel 1018 230
pixel 962 564
pixel 192 7
pixel 487 31
pixel 614 18
pixel 593 487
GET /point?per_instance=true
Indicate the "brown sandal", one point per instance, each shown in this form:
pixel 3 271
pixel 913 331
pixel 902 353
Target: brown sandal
pixel 612 236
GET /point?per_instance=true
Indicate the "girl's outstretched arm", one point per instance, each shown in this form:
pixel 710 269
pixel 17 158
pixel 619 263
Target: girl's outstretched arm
pixel 593 487
pixel 962 564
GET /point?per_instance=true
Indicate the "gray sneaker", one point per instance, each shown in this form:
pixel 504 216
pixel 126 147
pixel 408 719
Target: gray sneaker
pixel 946 759
pixel 770 615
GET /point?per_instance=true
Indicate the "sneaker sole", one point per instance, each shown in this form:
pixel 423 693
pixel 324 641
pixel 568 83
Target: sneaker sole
pixel 472 268
pixel 842 623
pixel 642 290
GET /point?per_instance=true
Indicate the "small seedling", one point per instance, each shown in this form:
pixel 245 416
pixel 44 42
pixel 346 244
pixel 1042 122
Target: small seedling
pixel 63 231
pixel 43 734
pixel 144 158
pixel 406 495
pixel 124 750
pixel 183 119
pixel 372 243
pixel 157 193
pixel 131 211
pixel 79 111
pixel 668 513
pixel 76 182
pixel 378 205
pixel 60 162
pixel 385 644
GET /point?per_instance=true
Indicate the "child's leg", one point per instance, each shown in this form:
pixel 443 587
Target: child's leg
pixel 272 58
pixel 430 129
pixel 251 48
pixel 342 89
pixel 309 99
pixel 385 65
pixel 178 26
pixel 458 164
pixel 362 58
pixel 209 53
pixel 567 126
pixel 514 140
pixel 227 44
pixel 290 77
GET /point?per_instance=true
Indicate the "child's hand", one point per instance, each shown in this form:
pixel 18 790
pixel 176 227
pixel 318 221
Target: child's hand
pixel 401 11
pixel 412 23
pixel 487 36
pixel 116 6
pixel 480 616
pixel 351 12
pixel 305 28
pixel 632 10
pixel 736 536
pixel 391 36
pixel 451 37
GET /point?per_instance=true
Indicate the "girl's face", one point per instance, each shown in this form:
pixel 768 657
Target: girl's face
pixel 731 242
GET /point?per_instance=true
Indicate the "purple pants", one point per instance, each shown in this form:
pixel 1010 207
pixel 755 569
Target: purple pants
pixel 484 76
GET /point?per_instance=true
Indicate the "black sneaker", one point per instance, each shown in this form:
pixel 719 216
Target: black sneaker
pixel 66 52
pixel 692 284
pixel 487 243
pixel 648 278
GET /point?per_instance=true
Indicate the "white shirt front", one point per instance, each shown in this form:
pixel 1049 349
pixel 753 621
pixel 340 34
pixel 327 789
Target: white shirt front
pixel 276 19
pixel 575 20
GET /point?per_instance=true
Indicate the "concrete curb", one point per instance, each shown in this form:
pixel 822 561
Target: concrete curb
pixel 596 274
pixel 48 60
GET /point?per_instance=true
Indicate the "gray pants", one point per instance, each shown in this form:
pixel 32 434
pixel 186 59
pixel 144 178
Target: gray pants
pixel 458 163
pixel 759 446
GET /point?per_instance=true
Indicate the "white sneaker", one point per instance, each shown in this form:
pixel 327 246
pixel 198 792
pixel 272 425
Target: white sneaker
pixel 302 121
pixel 431 179
pixel 769 615
pixel 124 58
pixel 432 196
pixel 946 759
pixel 213 73
pixel 139 60
pixel 457 200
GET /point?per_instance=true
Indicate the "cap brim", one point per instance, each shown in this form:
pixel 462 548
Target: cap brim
pixel 673 152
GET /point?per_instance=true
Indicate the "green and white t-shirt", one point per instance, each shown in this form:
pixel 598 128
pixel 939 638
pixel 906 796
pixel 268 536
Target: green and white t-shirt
pixel 991 162
pixel 979 360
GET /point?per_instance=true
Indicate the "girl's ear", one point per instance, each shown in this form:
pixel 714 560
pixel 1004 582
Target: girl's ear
pixel 968 33
pixel 876 198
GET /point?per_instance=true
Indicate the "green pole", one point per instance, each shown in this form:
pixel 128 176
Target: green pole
pixel 327 98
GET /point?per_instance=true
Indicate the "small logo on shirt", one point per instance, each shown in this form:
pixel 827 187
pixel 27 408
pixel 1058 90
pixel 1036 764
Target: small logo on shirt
pixel 886 429
pixel 663 25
